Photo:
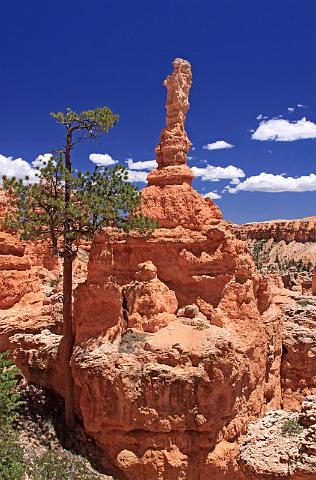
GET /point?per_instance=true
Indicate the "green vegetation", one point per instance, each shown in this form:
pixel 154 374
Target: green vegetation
pixel 9 399
pixel 261 255
pixel 51 465
pixel 53 282
pixel 302 302
pixel 61 466
pixel 11 457
pixel 200 325
pixel 291 428
pixel 258 254
pixel 67 206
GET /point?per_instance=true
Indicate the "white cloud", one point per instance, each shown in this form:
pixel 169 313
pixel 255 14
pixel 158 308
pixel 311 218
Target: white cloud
pixel 102 159
pixel 18 168
pixel 267 182
pixel 291 109
pixel 42 160
pixel 146 165
pixel 212 195
pixel 135 176
pixel 284 131
pixel 261 117
pixel 214 174
pixel 300 105
pixel 217 145
pixel 235 181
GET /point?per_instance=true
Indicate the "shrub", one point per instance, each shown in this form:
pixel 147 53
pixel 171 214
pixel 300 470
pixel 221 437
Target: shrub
pixel 9 398
pixel 291 428
pixel 200 325
pixel 53 282
pixel 61 466
pixel 302 302
pixel 11 456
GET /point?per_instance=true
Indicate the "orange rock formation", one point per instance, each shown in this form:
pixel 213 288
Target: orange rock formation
pixel 177 342
pixel 30 284
pixel 169 197
pixel 287 239
pixel 301 230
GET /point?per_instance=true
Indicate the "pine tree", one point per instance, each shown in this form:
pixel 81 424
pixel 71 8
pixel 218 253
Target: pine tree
pixel 67 206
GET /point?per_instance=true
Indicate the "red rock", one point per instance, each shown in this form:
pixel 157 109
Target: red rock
pixel 150 304
pixel 24 284
pixel 314 281
pixel 298 368
pixel 104 302
pixel 178 341
pixel 288 239
pixel 169 198
pixel 299 230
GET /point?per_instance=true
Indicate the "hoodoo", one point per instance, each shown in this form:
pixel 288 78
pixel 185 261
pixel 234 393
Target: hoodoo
pixel 174 332
pixel 169 197
pixel 178 343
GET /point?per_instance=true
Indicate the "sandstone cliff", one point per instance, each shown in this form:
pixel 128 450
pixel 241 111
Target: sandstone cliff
pixel 178 346
pixel 30 283
pixel 286 239
pixel 300 230
pixel 169 197
pixel 178 338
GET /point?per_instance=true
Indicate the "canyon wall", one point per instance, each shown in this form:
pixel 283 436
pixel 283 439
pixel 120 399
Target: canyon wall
pixel 290 240
pixel 178 338
pixel 301 230
pixel 178 345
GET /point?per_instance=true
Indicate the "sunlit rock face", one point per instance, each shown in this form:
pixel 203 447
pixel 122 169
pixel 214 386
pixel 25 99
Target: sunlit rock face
pixel 169 197
pixel 30 283
pixel 289 239
pixel 299 230
pixel 314 281
pixel 23 303
pixel 178 341
pixel 298 368
pixel 281 445
pixel 178 347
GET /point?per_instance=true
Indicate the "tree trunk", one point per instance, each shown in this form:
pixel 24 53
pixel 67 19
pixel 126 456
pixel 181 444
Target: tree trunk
pixel 67 297
pixel 68 335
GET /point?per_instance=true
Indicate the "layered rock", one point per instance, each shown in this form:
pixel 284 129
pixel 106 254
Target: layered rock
pixel 298 368
pixel 314 281
pixel 30 283
pixel 282 241
pixel 28 279
pixel 167 399
pixel 299 230
pixel 150 304
pixel 169 197
pixel 177 341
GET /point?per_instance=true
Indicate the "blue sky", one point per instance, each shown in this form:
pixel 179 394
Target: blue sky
pixel 248 59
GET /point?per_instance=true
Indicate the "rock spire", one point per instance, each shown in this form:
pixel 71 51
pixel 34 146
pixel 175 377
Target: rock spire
pixel 174 144
pixel 169 197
